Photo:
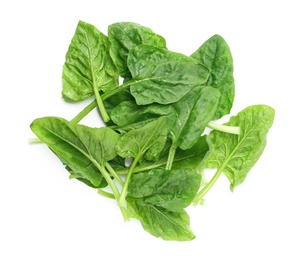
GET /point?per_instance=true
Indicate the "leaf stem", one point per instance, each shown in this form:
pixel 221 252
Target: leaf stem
pixel 225 128
pixel 115 191
pixel 121 201
pixel 171 155
pixel 105 194
pixel 198 198
pixel 114 174
pixel 101 106
pixel 34 141
pixel 84 112
pixel 94 103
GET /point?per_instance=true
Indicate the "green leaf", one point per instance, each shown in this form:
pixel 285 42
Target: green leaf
pixel 83 149
pixel 88 67
pixel 194 110
pixel 124 36
pixel 215 55
pixel 235 155
pixel 147 141
pixel 128 115
pixel 173 190
pixel 160 222
pixel 163 76
pixel 157 199
pixel 188 159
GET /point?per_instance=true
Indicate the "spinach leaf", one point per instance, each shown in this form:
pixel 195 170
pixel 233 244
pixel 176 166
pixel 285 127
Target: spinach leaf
pixel 163 76
pixel 235 155
pixel 161 222
pixel 128 115
pixel 194 110
pixel 83 149
pixel 157 198
pixel 189 159
pixel 125 36
pixel 147 141
pixel 173 190
pixel 88 67
pixel 215 55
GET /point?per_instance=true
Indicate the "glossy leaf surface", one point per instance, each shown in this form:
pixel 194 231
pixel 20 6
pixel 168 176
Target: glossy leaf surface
pixel 194 110
pixel 236 155
pixel 163 76
pixel 124 36
pixel 215 55
pixel 83 149
pixel 88 66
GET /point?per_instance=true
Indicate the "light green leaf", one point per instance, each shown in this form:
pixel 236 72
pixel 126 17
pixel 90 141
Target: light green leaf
pixel 147 141
pixel 83 149
pixel 173 190
pixel 124 36
pixel 160 222
pixel 88 67
pixel 235 155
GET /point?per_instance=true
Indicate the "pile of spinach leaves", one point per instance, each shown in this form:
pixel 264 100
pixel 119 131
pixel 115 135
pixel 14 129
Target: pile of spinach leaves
pixel 155 120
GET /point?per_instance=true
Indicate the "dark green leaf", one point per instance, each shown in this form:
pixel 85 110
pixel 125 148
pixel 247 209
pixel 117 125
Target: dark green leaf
pixel 194 110
pixel 88 66
pixel 163 76
pixel 83 149
pixel 128 115
pixel 235 155
pixel 160 222
pixel 173 190
pixel 215 55
pixel 188 159
pixel 147 141
pixel 125 36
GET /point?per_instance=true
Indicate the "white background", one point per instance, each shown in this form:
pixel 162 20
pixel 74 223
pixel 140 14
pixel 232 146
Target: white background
pixel 44 215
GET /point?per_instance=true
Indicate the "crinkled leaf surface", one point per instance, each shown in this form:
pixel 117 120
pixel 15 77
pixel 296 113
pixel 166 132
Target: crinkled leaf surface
pixel 163 76
pixel 83 149
pixel 128 115
pixel 161 222
pixel 235 155
pixel 88 66
pixel 215 55
pixel 147 141
pixel 157 199
pixel 124 36
pixel 188 159
pixel 173 190
pixel 194 110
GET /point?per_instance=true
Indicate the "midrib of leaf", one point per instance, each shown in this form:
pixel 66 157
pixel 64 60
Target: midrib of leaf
pixel 146 146
pixel 186 119
pixel 76 147
pixel 228 158
pixel 166 217
pixel 94 84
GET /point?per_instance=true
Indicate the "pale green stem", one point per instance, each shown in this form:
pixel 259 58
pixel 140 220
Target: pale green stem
pixel 100 105
pixel 171 157
pixel 105 194
pixel 114 174
pixel 121 201
pixel 207 187
pixel 34 141
pixel 225 128
pixel 115 191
